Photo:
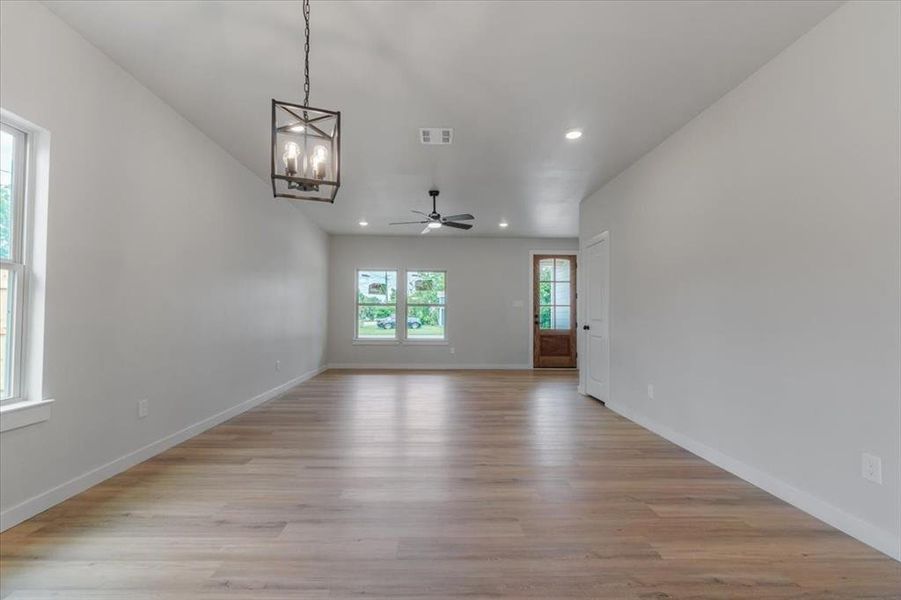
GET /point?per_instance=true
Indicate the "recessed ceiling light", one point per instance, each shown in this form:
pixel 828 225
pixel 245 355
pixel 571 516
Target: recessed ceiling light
pixel 434 225
pixel 502 224
pixel 363 223
pixel 573 134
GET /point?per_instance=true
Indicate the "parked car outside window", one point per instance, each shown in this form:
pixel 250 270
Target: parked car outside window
pixel 391 323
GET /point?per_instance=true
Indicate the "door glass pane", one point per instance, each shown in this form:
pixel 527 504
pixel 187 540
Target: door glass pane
pixel 561 269
pixel 7 153
pixel 546 269
pixel 426 287
pixel 545 317
pixel 561 293
pixel 377 287
pixel 555 293
pixel 425 322
pixel 544 292
pixel 7 293
pixel 376 322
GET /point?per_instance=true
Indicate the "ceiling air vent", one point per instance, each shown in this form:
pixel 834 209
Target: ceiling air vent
pixel 437 135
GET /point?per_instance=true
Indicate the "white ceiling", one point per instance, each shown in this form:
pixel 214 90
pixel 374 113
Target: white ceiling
pixel 510 77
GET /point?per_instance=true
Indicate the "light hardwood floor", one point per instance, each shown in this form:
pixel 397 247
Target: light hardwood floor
pixel 433 485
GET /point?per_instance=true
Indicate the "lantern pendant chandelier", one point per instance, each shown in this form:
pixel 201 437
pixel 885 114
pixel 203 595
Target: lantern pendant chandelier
pixel 305 142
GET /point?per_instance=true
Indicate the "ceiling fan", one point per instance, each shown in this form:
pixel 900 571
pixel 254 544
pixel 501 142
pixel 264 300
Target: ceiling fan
pixel 434 220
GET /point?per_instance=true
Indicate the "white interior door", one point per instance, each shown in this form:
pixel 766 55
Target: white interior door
pixel 596 264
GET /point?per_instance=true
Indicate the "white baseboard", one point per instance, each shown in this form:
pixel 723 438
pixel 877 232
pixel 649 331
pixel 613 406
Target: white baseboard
pixel 854 526
pixel 38 504
pixel 428 367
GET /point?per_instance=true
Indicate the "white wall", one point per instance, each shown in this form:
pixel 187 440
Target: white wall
pixel 755 275
pixel 484 278
pixel 172 273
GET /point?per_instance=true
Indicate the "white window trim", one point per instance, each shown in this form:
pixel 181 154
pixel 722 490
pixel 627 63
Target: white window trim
pixel 357 340
pixel 442 341
pixel 24 413
pixel 28 406
pixel 401 336
pixel 17 261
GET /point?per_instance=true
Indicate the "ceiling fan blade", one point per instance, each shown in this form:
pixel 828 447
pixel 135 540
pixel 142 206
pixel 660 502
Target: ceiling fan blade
pixel 426 230
pixel 419 212
pixel 463 217
pixel 458 225
pixel 408 223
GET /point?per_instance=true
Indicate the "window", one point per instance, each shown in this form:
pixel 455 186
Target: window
pixel 555 293
pixel 426 300
pixel 376 305
pixel 423 304
pixel 12 263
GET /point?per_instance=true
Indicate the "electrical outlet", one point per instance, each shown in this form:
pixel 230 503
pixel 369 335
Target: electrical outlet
pixel 872 468
pixel 452 350
pixel 651 391
pixel 278 366
pixel 143 408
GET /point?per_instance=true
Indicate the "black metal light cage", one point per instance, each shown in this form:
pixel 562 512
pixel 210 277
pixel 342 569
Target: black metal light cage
pixel 309 176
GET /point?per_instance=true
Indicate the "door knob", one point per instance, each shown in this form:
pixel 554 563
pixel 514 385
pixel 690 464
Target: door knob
pixel 586 327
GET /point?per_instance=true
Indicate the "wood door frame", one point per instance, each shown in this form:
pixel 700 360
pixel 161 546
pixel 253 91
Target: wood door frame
pixel 530 296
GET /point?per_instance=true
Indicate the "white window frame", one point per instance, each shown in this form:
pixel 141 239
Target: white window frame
pixel 28 406
pixel 397 303
pixel 17 263
pixel 433 340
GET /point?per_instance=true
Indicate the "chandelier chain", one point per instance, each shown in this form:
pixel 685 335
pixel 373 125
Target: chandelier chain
pixel 306 53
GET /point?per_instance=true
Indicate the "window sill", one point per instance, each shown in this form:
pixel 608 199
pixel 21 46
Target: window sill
pixel 399 342
pixel 21 414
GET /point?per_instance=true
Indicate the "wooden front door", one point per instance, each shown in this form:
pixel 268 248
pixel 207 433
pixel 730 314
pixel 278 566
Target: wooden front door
pixel 554 310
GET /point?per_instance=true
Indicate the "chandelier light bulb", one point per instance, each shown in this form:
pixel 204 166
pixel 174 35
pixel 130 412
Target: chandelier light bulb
pixel 319 161
pixel 292 153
